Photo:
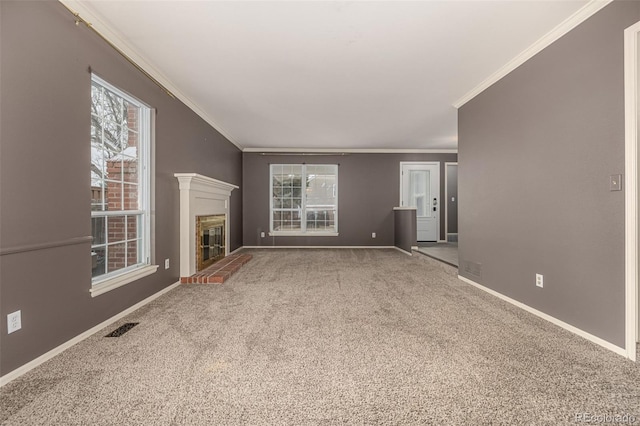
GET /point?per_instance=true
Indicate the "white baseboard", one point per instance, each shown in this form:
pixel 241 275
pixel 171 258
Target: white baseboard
pixel 403 251
pixel 56 351
pixel 559 323
pixel 319 247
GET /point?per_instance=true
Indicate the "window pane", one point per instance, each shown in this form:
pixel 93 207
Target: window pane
pixel 131 115
pixel 133 224
pixel 116 229
pixel 419 192
pixel 113 195
pixel 129 169
pixel 98 230
pixel 323 169
pixel 97 197
pixel 287 221
pixel 133 254
pixel 130 144
pixel 98 261
pixel 116 257
pixel 97 165
pixel 320 220
pixel 130 196
pixel 113 108
pixel 112 137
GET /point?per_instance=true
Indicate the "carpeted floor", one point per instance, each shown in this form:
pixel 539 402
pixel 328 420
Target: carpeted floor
pixel 301 337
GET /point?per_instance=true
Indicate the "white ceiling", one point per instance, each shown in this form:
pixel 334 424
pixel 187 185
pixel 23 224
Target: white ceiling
pixel 320 74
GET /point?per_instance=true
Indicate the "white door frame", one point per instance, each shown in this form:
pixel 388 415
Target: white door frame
pixel 446 197
pixel 425 163
pixel 631 100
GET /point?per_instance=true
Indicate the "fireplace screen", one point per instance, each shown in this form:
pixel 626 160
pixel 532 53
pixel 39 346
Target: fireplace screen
pixel 210 240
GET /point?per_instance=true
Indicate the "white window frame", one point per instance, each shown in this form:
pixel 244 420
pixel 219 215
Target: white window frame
pixel 110 281
pixel 303 220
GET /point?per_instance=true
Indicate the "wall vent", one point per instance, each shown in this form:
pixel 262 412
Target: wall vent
pixel 122 329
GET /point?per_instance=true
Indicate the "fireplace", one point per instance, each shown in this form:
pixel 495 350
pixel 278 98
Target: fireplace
pixel 203 197
pixel 210 240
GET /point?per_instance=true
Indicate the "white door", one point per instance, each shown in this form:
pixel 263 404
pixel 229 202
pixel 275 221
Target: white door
pixel 420 188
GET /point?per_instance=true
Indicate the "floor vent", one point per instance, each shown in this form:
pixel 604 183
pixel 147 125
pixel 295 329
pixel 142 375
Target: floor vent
pixel 122 329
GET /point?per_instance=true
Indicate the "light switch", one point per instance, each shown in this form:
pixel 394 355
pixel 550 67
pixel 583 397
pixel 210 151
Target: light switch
pixel 615 183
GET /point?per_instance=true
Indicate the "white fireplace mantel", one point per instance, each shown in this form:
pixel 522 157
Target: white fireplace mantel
pixel 199 196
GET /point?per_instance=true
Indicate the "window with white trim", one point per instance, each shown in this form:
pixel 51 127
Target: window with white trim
pixel 120 183
pixel 304 199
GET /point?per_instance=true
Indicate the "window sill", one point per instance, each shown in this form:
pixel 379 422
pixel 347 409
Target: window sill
pixel 120 280
pixel 302 234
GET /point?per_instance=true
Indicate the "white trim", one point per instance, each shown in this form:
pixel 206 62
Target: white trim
pixel 340 151
pixel 403 251
pixel 303 234
pixel 631 100
pixel 553 320
pixel 320 247
pixel 591 8
pixel 122 279
pixel 200 196
pixel 114 37
pixel 80 337
pixel 425 163
pixel 405 208
pixel 442 241
pixel 446 198
pixel 236 250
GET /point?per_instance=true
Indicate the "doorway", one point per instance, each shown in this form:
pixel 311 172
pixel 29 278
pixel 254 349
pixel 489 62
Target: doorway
pixel 420 188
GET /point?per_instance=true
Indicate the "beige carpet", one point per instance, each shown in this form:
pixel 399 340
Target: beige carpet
pixel 328 337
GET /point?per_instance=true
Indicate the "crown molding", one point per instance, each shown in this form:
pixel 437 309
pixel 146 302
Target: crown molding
pixel 564 27
pixel 338 151
pixel 80 8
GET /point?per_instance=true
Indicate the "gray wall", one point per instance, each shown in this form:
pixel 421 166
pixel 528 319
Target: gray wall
pixel 535 154
pixel 44 177
pixel 452 192
pixel 368 190
pixel 405 229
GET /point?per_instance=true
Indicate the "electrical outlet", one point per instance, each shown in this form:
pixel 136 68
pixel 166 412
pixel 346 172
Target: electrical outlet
pixel 262 235
pixel 14 322
pixel 166 264
pixel 615 183
pixel 539 280
pixel 373 235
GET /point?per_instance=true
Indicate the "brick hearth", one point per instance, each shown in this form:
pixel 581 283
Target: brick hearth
pixel 219 271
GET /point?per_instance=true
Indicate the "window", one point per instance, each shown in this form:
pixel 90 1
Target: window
pixel 120 152
pixel 304 199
